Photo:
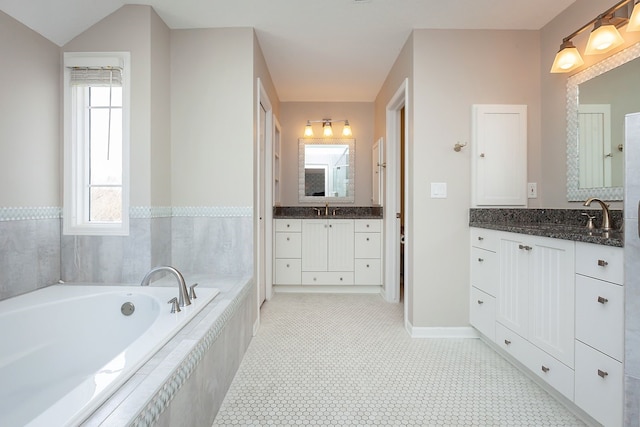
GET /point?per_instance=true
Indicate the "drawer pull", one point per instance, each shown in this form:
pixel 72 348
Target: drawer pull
pixel 367 265
pixel 288 225
pixel 480 301
pixel 526 248
pixel 602 263
pixel 602 374
pixel 507 342
pixel 367 225
pixel 288 239
pixel 545 369
pixel 480 238
pixel 480 259
pixel 602 300
pixel 314 279
pixel 287 265
pixel 341 279
pixel 367 239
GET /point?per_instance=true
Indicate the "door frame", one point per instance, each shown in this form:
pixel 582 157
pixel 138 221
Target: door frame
pixel 264 171
pixel 393 180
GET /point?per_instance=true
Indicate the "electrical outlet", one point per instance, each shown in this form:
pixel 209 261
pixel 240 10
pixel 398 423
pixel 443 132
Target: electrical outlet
pixel 532 190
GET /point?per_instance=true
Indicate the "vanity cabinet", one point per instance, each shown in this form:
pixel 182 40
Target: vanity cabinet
pixel 328 252
pixel 599 332
pixel 368 252
pixel 558 309
pixel 288 251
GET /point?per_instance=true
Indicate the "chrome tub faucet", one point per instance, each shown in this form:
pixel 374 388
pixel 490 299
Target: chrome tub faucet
pixel 183 296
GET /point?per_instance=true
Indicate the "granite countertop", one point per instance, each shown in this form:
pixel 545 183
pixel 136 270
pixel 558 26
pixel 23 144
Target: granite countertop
pixel 341 212
pixel 566 224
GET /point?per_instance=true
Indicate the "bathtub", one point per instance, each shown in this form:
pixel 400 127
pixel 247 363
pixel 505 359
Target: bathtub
pixel 66 348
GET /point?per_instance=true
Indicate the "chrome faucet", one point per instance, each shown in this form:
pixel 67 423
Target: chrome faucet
pixel 326 208
pixel 606 219
pixel 183 296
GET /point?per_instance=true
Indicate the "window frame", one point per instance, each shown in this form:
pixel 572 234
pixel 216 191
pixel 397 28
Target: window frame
pixel 75 219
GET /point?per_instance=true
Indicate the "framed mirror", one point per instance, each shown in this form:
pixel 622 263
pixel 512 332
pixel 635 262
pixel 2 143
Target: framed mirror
pixel 326 170
pixel 598 98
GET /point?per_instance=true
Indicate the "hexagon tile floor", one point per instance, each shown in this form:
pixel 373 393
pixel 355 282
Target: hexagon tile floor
pixel 346 360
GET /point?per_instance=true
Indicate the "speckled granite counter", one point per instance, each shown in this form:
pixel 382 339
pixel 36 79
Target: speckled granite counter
pixel 566 224
pixel 341 211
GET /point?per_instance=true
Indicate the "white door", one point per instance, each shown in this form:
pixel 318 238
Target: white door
pixel 594 130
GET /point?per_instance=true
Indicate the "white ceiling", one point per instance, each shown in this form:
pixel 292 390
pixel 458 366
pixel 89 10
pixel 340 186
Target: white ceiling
pixel 316 50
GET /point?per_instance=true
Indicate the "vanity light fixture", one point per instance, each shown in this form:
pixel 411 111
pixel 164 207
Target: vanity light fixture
pixel 604 37
pixel 327 128
pixel 634 20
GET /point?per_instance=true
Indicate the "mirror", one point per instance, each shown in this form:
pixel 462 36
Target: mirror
pixel 598 99
pixel 326 171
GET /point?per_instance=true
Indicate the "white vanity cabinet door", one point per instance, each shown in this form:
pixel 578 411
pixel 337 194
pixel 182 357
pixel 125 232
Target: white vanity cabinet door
pixel 601 262
pixel 288 271
pixel 314 245
pixel 599 385
pixel 600 315
pixel 483 313
pixel 288 245
pixel 367 271
pixel 512 299
pixel 340 245
pixel 552 302
pixel 485 273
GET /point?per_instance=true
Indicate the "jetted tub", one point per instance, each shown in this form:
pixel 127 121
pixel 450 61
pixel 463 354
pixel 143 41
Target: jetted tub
pixel 66 348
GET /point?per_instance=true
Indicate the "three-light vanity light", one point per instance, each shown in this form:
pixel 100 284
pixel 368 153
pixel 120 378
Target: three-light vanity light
pixel 327 129
pixel 603 38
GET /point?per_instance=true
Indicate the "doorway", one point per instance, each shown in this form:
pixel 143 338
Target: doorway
pixel 396 215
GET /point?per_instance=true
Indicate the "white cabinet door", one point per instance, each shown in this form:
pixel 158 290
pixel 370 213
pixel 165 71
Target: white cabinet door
pixel 483 313
pixel 340 245
pixel 314 245
pixel 513 289
pixel 499 155
pixel 551 315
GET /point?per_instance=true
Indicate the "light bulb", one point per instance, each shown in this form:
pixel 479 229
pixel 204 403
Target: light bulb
pixel 327 131
pixel 603 38
pixel 346 131
pixel 308 131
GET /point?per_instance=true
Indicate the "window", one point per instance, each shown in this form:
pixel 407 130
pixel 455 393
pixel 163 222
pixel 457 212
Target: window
pixel 96 150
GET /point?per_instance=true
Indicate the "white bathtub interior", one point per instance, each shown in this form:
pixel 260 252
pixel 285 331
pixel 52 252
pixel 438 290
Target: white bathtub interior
pixel 66 348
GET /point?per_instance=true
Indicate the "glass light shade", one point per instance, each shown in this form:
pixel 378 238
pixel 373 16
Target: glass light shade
pixel 346 131
pixel 634 20
pixel 308 131
pixel 327 131
pixel 567 59
pixel 602 39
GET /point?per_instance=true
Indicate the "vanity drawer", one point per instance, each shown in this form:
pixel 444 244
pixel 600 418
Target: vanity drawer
pixel 485 239
pixel 600 261
pixel 294 225
pixel 599 385
pixel 368 272
pixel 482 315
pixel 485 270
pixel 600 315
pixel 288 245
pixel 327 278
pixel 368 245
pixel 368 226
pixel 288 272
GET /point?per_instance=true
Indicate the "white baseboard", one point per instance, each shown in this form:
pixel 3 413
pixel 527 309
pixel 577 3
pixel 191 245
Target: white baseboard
pixel 441 332
pixel 331 289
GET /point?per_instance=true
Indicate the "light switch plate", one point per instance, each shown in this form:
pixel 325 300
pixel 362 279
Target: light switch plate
pixel 532 190
pixel 438 190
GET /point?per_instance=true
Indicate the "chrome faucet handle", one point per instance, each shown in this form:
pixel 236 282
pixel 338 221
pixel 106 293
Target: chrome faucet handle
pixel 590 218
pixel 175 307
pixel 334 211
pixel 192 291
pixel 317 211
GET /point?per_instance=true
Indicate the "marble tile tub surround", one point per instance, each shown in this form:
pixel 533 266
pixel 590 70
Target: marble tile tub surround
pixel 185 382
pixel 567 224
pixel 34 253
pixel 356 212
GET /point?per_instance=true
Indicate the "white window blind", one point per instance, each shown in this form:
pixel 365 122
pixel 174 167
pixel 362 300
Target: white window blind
pixel 85 76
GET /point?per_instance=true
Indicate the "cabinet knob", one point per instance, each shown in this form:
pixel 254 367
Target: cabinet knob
pixel 341 279
pixel 480 259
pixel 602 374
pixel 480 301
pixel 367 239
pixel 288 225
pixel 603 300
pixel 367 265
pixel 602 263
pixel 482 155
pixel 288 239
pixel 287 265
pixel 367 225
pixel 480 238
pixel 507 342
pixel 545 369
